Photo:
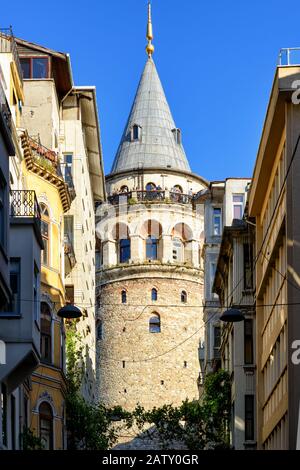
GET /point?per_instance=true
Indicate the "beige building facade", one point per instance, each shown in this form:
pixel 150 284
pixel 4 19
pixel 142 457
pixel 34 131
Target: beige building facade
pixel 275 207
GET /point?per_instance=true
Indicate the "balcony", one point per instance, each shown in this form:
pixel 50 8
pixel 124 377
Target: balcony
pixel 155 196
pixel 45 163
pixel 8 46
pixel 23 203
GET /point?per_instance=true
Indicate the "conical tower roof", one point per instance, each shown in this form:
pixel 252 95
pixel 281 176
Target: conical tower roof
pixel 158 144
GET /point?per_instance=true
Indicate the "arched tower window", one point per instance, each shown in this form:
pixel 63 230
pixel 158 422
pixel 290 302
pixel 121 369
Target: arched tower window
pixel 120 234
pixel 46 333
pixel 177 135
pixel 124 296
pixel 136 133
pixel 45 229
pixel 124 250
pixel 154 323
pixel 154 295
pixel 151 248
pixel 150 187
pixel 152 232
pixel 184 297
pixel 100 330
pixel 46 425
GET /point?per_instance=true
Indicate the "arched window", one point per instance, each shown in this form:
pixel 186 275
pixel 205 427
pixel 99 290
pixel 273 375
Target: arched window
pixel 184 297
pixel 136 133
pixel 178 189
pixel 124 250
pixel 46 425
pixel 45 225
pixel 178 250
pixel 46 336
pixel 124 189
pixel 152 248
pixel 177 135
pixel 124 296
pixel 99 330
pixel 154 295
pixel 150 187
pixel 154 324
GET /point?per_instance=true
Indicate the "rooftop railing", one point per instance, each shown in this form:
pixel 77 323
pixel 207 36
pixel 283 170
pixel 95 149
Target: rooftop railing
pixel 24 203
pixel 155 196
pixel 8 45
pixel 289 56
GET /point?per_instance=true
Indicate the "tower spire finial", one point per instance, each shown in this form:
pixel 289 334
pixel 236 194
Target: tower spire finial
pixel 149 47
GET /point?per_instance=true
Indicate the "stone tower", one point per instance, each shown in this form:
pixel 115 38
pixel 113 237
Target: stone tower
pixel 149 277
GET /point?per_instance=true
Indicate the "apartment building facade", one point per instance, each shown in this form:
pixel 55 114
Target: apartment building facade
pixel 21 244
pixel 223 201
pixel 275 208
pixel 234 285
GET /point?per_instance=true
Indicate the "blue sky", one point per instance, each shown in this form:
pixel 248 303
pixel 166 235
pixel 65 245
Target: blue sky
pixel 216 61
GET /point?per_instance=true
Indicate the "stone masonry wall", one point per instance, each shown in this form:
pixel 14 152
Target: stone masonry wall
pixel 158 368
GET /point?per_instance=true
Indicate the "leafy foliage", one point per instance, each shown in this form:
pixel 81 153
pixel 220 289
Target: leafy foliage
pixel 194 425
pixel 30 441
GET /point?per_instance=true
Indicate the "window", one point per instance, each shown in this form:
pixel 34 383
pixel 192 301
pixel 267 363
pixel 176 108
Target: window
pixel 249 417
pixel 217 221
pixel 136 133
pixel 124 250
pixel 177 135
pixel 99 331
pixel 248 341
pixel 69 228
pixel 36 277
pixel 13 421
pixel 124 297
pixel 154 324
pixel 46 425
pixel 2 210
pixel 4 413
pixel 151 248
pixel 248 271
pixel 150 187
pixel 68 168
pixel 70 294
pixel 35 67
pixel 217 337
pixel 238 206
pixel 15 284
pixel 184 297
pixel 177 252
pixel 154 295
pixel 46 336
pixel 45 224
pixel 124 189
pixel 213 268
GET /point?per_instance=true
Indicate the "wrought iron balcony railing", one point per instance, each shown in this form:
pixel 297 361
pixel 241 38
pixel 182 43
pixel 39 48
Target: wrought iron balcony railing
pixel 23 203
pixel 157 196
pixel 8 45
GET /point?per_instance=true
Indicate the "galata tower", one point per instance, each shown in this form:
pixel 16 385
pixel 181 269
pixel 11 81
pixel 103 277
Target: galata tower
pixel 149 270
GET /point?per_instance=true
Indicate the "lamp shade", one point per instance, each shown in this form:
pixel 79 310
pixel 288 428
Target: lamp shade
pixel 232 315
pixel 69 311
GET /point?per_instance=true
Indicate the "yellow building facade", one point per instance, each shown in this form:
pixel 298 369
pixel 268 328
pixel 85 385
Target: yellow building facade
pixel 48 384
